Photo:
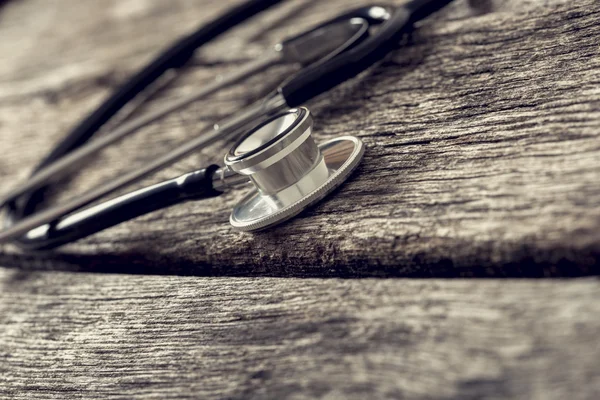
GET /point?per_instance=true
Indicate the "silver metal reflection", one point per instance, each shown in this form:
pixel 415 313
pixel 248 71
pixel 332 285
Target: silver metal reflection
pixel 289 171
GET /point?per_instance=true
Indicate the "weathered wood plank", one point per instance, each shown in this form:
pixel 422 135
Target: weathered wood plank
pixel 66 335
pixel 482 159
pixel 482 140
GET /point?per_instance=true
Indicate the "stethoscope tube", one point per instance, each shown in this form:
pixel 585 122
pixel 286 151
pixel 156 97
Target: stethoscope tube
pixel 309 82
pixel 191 186
pixel 20 210
pixel 172 58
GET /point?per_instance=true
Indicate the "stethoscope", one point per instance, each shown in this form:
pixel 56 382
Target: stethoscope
pixel 275 150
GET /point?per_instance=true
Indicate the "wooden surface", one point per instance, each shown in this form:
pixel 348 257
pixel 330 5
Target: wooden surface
pixel 482 140
pixel 482 159
pixel 154 337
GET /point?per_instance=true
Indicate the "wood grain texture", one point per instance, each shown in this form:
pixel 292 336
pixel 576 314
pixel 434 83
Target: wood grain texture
pixel 482 160
pixel 482 138
pixel 92 336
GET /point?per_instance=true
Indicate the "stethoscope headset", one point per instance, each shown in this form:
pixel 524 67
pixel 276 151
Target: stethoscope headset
pixel 274 150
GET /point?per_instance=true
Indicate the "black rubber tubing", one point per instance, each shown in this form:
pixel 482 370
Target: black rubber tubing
pixel 303 86
pixel 192 186
pixel 173 57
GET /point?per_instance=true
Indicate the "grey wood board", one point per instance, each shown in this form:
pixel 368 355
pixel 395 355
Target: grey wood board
pixel 101 336
pixel 482 160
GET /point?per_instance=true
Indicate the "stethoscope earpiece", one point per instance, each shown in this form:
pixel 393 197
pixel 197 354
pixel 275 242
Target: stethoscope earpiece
pixel 288 169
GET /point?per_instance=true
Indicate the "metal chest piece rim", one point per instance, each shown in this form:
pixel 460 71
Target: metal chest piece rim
pixel 290 172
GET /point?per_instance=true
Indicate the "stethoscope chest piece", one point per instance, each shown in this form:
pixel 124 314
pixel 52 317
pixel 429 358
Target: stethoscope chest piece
pixel 289 170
